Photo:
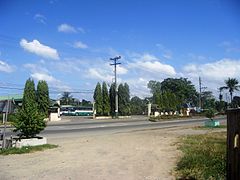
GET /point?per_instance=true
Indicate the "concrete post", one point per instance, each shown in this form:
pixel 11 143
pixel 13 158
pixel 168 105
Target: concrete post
pixel 149 109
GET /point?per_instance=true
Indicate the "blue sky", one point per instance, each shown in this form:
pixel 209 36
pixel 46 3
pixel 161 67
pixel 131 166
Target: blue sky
pixel 69 43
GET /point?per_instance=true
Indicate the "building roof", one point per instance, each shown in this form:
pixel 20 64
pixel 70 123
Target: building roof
pixel 10 97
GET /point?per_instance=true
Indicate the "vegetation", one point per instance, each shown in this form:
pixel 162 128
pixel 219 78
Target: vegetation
pixel 43 97
pixel 137 105
pixel 171 93
pixel 204 157
pixel 66 98
pixel 98 100
pixel 124 99
pixel 112 93
pixel 106 100
pixel 27 149
pixel 210 113
pixel 29 121
pixel 231 85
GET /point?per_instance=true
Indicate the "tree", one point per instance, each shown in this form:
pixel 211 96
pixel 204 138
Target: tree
pixel 43 97
pixel 66 98
pixel 29 121
pixel 236 101
pixel 123 99
pixel 183 89
pixel 86 103
pixel 231 85
pixel 137 106
pixel 112 93
pixel 106 101
pixel 208 100
pixel 98 99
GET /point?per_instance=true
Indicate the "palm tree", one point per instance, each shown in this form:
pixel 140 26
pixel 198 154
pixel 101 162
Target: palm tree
pixel 231 85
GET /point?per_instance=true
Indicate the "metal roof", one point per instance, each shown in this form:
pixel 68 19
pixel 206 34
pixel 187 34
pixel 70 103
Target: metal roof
pixel 10 97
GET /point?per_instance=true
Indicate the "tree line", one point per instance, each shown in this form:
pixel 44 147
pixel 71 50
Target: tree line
pixel 104 99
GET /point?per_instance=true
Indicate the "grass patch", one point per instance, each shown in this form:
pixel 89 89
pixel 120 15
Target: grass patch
pixel 167 117
pixel 205 127
pixel 27 149
pixel 204 157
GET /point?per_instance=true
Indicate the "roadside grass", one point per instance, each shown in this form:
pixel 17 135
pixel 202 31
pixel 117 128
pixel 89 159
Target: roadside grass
pixel 205 127
pixel 204 157
pixel 27 149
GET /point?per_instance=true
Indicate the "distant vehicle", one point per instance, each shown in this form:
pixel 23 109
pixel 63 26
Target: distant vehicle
pixel 76 111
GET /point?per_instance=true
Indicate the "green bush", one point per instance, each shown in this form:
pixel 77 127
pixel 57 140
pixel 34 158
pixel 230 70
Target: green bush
pixel 11 117
pixel 210 113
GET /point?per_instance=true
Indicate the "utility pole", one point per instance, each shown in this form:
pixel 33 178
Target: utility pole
pixel 115 63
pixel 200 92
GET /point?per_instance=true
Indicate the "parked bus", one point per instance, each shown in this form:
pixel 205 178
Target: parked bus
pixel 67 110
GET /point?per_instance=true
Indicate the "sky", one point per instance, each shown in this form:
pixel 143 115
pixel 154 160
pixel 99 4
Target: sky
pixel 69 43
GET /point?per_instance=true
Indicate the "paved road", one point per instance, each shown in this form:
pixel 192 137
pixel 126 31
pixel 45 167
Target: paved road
pixel 78 126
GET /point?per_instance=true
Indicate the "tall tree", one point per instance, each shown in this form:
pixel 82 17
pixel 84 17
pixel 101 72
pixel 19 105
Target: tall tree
pixel 66 98
pixel 43 97
pixel 98 99
pixel 183 89
pixel 106 100
pixel 231 85
pixel 137 106
pixel 123 99
pixel 112 93
pixel 29 121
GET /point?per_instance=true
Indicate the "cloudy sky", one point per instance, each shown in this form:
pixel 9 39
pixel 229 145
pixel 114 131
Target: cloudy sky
pixel 69 43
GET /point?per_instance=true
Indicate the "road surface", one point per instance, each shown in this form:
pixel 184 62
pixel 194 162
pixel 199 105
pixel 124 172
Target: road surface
pixel 79 126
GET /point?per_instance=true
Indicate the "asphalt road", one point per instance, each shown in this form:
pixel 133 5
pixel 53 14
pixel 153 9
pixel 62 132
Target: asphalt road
pixel 79 126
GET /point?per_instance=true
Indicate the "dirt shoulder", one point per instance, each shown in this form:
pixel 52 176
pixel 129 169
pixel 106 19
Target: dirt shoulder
pixel 149 155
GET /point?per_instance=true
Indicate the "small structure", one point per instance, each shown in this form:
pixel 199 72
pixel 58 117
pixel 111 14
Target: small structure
pixel 54 112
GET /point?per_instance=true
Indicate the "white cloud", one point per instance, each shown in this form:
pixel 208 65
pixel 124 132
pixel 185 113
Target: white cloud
pixel 66 28
pixel 152 64
pixel 122 70
pixel 40 18
pixel 80 45
pixel 218 70
pixel 4 67
pixel 53 82
pixel 97 73
pixel 39 49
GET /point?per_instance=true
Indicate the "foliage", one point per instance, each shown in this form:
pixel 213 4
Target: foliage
pixel 210 113
pixel 112 93
pixel 10 118
pixel 183 89
pixel 98 99
pixel 29 121
pixel 154 86
pixel 137 105
pixel 66 98
pixel 173 92
pixel 86 103
pixel 166 101
pixel 231 85
pixel 221 106
pixel 123 99
pixel 204 157
pixel 43 97
pixel 236 101
pixel 26 149
pixel 106 100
